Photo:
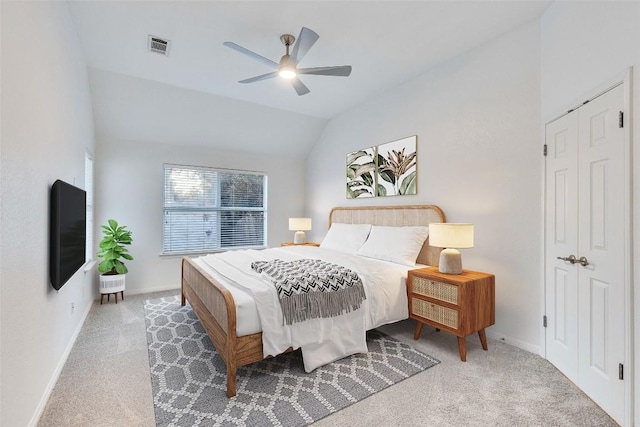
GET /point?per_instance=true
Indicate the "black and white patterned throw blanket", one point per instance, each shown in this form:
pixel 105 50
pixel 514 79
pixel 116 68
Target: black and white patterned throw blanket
pixel 311 288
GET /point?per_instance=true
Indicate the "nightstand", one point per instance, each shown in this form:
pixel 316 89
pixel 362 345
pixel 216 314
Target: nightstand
pixel 301 244
pixel 457 303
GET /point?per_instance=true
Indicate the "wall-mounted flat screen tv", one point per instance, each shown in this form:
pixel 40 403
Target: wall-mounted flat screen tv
pixel 68 234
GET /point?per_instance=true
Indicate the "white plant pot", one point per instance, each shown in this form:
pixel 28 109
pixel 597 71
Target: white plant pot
pixel 112 283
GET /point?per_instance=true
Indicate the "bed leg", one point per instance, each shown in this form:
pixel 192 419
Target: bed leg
pixel 231 381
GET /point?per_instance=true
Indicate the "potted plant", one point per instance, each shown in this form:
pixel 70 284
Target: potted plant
pixel 113 251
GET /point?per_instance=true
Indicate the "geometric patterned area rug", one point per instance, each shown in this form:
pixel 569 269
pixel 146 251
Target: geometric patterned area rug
pixel 189 377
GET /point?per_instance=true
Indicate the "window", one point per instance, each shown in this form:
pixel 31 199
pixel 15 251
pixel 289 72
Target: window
pixel 208 209
pixel 88 187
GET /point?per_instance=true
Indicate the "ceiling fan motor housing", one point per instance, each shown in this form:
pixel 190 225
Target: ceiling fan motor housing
pixel 284 61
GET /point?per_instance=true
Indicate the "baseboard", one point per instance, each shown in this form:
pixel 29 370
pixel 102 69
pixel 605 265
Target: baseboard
pixel 56 373
pixel 150 290
pixel 514 342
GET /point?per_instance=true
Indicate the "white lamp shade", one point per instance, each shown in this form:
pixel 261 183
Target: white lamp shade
pixel 451 235
pixel 299 224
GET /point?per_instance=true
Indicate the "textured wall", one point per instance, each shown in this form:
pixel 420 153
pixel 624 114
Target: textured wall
pixel 129 176
pixel 477 118
pixel 47 125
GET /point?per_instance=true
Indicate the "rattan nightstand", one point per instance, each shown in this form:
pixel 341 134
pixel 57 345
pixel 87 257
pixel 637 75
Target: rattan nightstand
pixel 457 303
pixel 299 244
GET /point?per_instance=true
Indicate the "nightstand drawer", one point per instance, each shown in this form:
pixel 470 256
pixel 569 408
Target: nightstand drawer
pixel 433 289
pixel 436 313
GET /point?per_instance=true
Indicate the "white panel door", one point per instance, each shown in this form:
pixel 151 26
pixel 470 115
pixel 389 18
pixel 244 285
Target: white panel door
pixel 601 303
pixel 585 219
pixel 562 241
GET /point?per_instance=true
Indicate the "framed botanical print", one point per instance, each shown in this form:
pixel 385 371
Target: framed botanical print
pixel 396 168
pixel 361 173
pixel 385 170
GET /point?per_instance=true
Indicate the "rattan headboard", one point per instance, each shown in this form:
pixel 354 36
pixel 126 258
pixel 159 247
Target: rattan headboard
pixel 395 216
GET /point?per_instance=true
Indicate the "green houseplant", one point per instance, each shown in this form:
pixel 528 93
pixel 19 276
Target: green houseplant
pixel 113 250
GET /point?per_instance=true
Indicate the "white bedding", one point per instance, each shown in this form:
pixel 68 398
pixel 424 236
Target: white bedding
pixel 247 320
pixel 321 340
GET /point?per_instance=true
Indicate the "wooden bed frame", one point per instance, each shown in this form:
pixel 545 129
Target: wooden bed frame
pixel 214 305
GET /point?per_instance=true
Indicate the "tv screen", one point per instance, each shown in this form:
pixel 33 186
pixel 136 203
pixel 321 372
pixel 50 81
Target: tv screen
pixel 68 232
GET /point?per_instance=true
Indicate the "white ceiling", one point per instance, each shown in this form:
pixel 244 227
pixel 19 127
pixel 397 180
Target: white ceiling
pixel 386 42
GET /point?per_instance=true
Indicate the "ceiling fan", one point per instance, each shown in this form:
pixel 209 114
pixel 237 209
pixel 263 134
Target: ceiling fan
pixel 287 67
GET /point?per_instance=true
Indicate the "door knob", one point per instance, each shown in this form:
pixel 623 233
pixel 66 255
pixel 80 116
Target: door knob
pixel 583 261
pixel 571 258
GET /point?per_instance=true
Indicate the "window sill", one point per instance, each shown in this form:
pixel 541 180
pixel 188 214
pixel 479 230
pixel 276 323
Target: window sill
pixel 88 266
pixel 213 251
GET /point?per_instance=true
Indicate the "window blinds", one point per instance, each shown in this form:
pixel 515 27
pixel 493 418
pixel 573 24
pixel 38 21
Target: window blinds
pixel 208 209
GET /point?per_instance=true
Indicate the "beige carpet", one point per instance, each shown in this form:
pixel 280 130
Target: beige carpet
pixel 106 382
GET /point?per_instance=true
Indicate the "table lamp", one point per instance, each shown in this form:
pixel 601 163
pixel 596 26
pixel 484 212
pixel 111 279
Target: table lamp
pixel 299 225
pixel 451 236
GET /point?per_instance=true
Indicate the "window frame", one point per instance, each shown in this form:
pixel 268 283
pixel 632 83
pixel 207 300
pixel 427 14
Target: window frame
pixel 218 208
pixel 89 175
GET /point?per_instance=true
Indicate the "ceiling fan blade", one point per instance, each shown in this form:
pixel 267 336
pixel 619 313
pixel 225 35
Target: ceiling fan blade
pixel 299 86
pixel 260 77
pixel 269 63
pixel 341 70
pixel 306 39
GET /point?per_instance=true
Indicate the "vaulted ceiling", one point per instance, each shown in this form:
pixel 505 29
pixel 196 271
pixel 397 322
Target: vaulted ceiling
pixel 386 42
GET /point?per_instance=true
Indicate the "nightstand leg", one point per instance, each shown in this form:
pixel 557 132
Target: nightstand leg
pixel 462 346
pixel 483 339
pixel 417 330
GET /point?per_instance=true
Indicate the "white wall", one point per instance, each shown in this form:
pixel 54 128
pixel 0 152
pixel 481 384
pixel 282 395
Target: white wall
pixel 477 118
pixel 129 176
pixel 142 124
pixel 134 109
pixel 46 126
pixel 0 223
pixel 586 45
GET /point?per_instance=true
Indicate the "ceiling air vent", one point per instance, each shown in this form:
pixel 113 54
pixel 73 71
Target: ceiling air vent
pixel 158 45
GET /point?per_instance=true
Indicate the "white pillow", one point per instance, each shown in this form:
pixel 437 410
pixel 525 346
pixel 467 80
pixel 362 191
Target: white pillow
pixel 396 244
pixel 346 237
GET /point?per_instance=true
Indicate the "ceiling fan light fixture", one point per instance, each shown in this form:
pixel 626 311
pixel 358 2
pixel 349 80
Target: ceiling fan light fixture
pixel 287 73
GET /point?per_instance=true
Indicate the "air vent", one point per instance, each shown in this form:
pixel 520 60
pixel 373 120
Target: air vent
pixel 158 45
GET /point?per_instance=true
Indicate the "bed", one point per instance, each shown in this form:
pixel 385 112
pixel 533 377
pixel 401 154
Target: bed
pixel 215 307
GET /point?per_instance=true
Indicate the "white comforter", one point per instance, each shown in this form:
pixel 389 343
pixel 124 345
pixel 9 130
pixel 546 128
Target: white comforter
pixel 321 340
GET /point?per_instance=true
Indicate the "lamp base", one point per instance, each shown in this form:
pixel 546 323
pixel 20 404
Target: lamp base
pixel 299 238
pixel 450 261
